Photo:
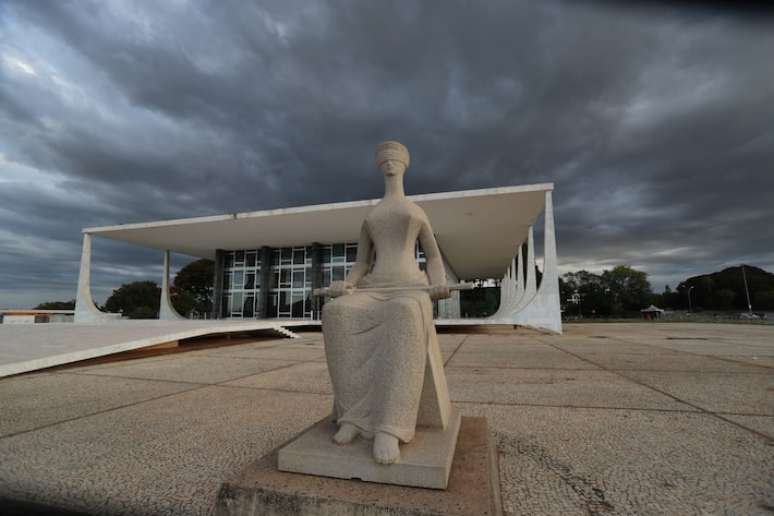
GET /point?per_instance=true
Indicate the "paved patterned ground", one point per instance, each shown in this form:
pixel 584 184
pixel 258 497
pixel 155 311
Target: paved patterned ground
pixel 31 347
pixel 606 419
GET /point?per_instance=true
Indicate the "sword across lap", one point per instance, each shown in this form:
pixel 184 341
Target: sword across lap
pixel 454 286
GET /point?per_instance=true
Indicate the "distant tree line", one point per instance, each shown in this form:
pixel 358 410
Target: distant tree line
pixel 619 292
pixel 57 305
pixel 623 291
pixel 723 290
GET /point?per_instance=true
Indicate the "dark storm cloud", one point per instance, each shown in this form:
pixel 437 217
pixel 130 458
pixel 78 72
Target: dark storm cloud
pixel 653 119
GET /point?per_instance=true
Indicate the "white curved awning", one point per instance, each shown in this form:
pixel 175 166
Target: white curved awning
pixel 478 231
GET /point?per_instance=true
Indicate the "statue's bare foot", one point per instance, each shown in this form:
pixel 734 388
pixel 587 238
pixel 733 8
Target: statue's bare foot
pixel 346 434
pixel 386 450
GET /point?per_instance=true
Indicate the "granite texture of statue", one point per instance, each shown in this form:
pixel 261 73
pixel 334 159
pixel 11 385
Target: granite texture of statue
pixel 380 340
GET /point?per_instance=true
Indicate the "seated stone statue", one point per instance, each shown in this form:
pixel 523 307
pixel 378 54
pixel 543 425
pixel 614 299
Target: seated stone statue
pixel 380 338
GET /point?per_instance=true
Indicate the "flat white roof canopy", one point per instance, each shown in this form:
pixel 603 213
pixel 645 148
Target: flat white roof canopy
pixel 478 231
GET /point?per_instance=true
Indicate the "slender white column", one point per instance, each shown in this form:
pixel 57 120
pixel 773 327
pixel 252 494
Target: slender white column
pixel 167 312
pixel 531 285
pixel 511 288
pixel 507 292
pixel 519 278
pixel 544 310
pixel 85 309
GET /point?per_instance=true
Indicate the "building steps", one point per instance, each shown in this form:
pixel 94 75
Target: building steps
pixel 286 332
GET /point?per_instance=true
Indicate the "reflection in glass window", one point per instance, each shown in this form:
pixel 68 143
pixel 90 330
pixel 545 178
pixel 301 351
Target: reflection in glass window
pixel 326 277
pixel 284 278
pixel 298 278
pixel 337 273
pixel 237 279
pixel 248 309
pixel 229 260
pixel 284 302
pixel 227 281
pixel 338 253
pixel 298 305
pixel 239 258
pixel 299 256
pixel 236 302
pixel 250 260
pixel 308 303
pixel 351 253
pixel 249 281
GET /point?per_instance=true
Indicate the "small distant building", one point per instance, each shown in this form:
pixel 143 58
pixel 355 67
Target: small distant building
pixel 652 312
pixel 16 316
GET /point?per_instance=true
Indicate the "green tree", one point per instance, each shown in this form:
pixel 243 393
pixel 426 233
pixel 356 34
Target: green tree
pixel 137 300
pixel 588 289
pixel 764 300
pixel 57 305
pixel 706 287
pixel 193 287
pixel 724 299
pixel 629 289
pixel 669 299
pixel 183 301
pixel 144 312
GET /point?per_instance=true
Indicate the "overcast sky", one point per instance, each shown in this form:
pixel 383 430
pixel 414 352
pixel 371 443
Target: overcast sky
pixel 655 122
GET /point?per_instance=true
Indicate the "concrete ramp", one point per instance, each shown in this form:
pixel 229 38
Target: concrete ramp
pixel 29 347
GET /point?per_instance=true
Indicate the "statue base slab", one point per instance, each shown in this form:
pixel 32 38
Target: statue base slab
pixel 473 486
pixel 424 462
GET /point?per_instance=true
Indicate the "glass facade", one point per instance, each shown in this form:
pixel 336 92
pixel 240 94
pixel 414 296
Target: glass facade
pixel 290 294
pixel 290 280
pixel 241 283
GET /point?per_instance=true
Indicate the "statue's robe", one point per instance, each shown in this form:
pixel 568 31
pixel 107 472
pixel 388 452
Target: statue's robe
pixel 382 348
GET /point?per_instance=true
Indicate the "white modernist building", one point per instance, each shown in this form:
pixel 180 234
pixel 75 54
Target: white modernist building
pixel 268 262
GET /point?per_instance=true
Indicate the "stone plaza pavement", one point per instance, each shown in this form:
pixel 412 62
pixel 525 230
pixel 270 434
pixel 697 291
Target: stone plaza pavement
pixel 636 418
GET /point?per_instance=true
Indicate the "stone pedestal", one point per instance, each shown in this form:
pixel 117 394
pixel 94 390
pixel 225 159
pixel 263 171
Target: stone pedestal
pixel 424 462
pixel 473 487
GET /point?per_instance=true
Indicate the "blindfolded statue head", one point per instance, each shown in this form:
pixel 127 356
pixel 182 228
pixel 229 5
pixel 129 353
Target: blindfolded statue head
pixel 392 158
